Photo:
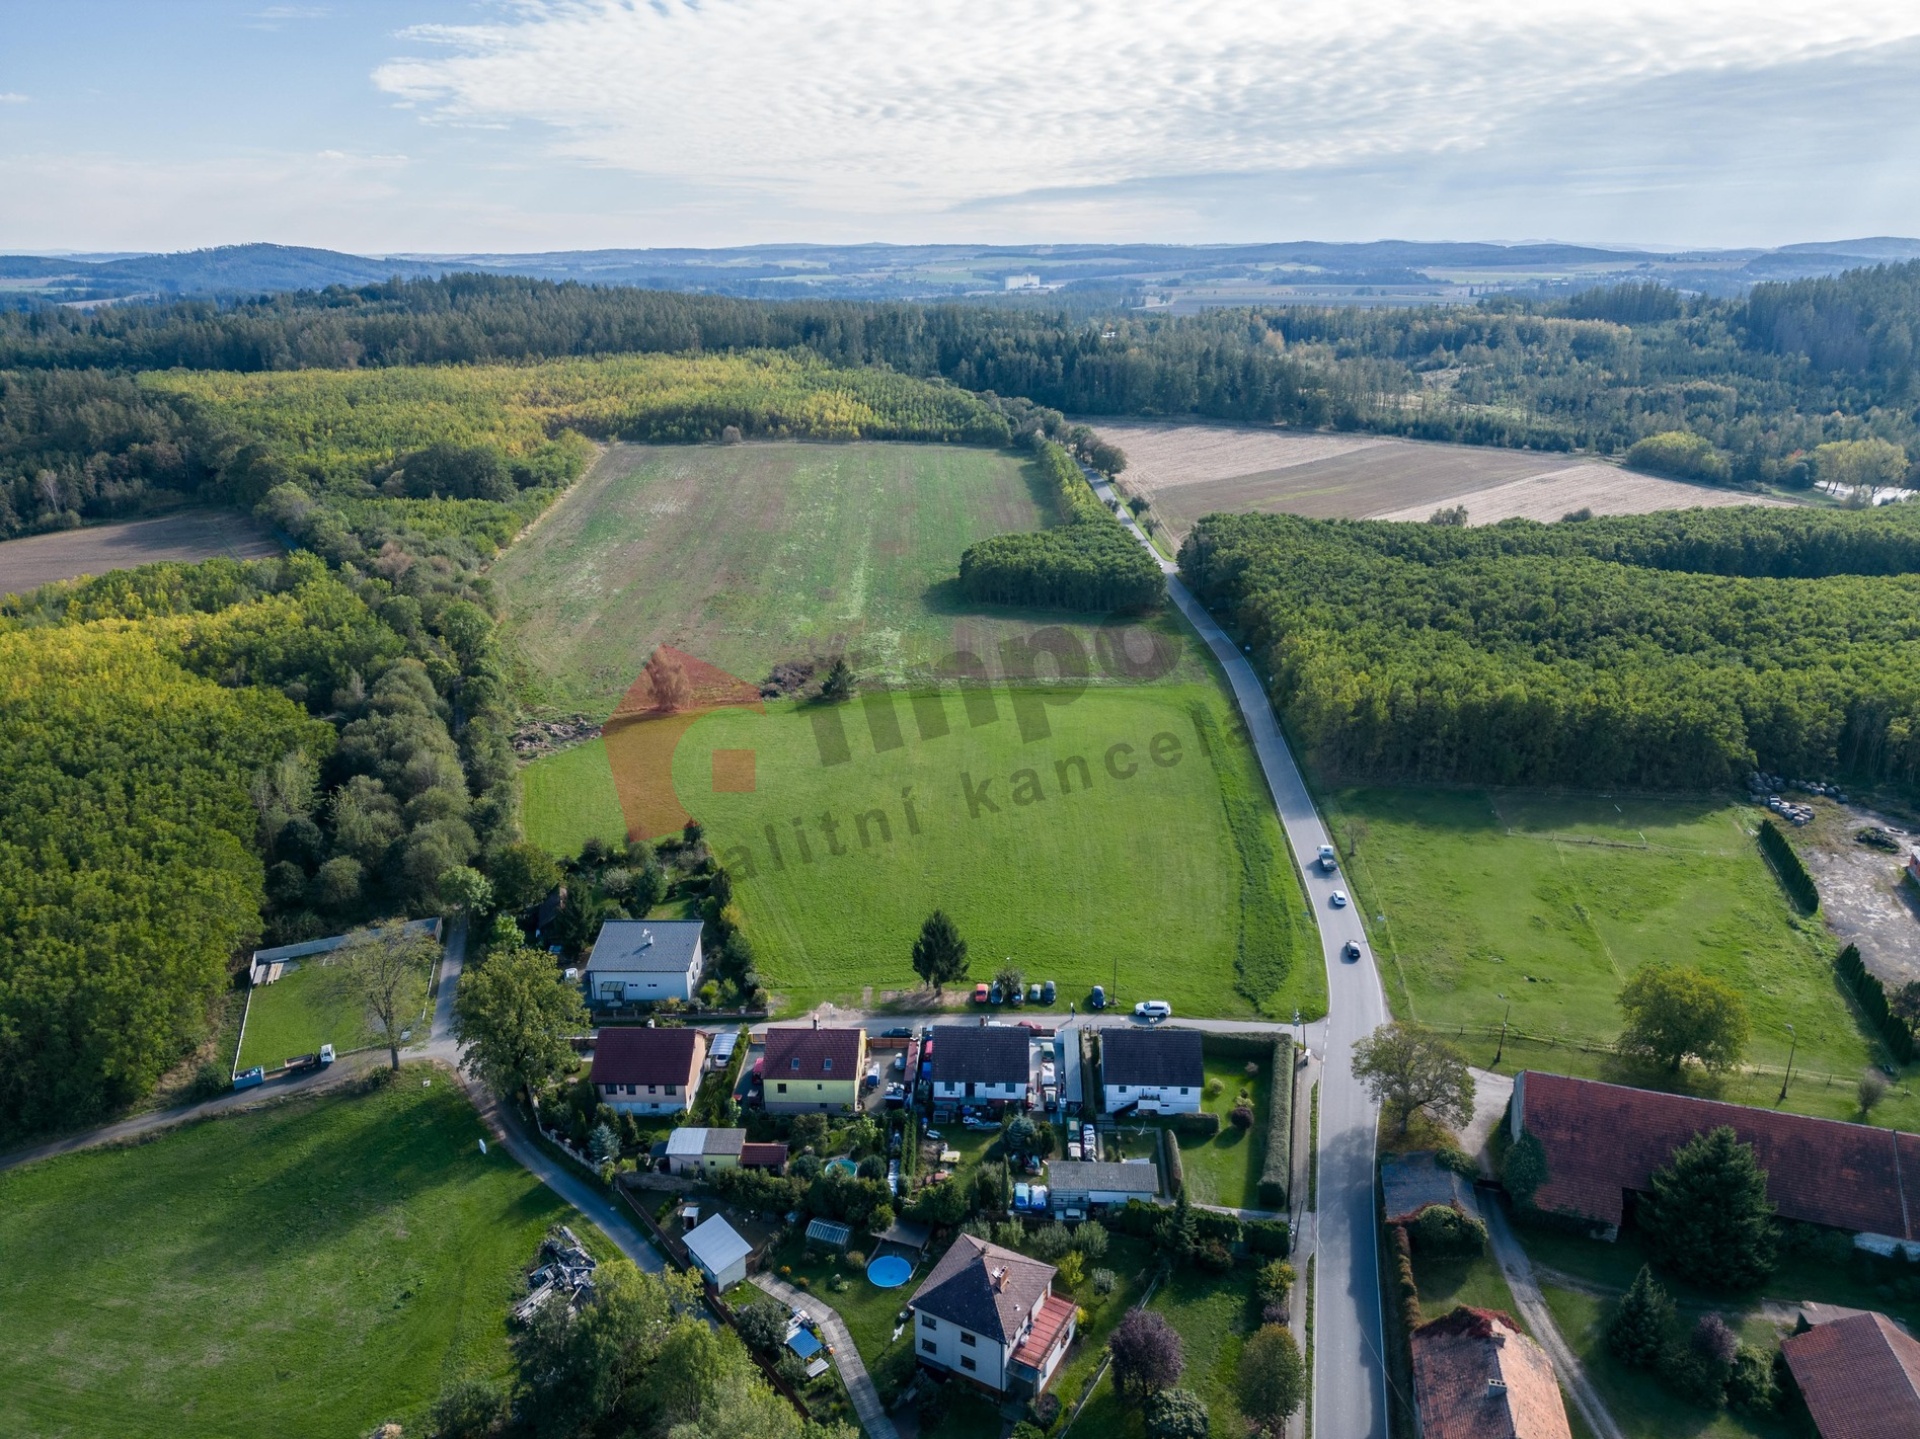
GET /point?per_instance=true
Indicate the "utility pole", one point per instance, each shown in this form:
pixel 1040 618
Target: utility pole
pixel 1503 1035
pixel 1791 1048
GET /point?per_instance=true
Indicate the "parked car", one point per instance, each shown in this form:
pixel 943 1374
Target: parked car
pixel 1153 1009
pixel 1052 1097
pixel 1033 993
pixel 1099 996
pixel 1047 992
pixel 994 996
pixel 903 1032
pixel 1017 995
pixel 250 1078
pixel 1339 899
pixel 326 1055
pixel 981 993
pixel 873 1077
pixel 1350 951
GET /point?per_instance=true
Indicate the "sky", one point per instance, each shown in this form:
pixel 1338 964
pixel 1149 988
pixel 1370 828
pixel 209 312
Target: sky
pixel 449 126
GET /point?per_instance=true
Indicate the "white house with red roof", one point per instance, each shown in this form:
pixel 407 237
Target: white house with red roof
pixel 989 1316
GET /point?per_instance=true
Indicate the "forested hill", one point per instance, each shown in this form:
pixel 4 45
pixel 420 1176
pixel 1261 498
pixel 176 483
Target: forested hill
pixel 1764 380
pixel 1663 651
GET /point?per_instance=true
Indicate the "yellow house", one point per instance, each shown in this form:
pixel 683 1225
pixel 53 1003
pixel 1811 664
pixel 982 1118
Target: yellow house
pixel 813 1069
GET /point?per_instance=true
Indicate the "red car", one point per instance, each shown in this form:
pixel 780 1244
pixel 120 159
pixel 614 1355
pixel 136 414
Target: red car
pixel 981 992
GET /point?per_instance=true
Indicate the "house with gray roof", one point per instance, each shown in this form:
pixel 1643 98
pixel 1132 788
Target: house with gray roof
pixel 1158 1070
pixel 641 961
pixel 1083 1184
pixel 981 1064
pixel 989 1316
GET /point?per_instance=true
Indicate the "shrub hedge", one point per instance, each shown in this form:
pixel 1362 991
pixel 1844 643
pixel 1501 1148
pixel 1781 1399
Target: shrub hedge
pixel 1276 1165
pixel 1793 874
pixel 1872 996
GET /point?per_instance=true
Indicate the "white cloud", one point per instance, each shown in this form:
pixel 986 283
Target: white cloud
pixel 925 107
pixel 12 97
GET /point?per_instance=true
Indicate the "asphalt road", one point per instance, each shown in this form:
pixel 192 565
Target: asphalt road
pixel 1349 1375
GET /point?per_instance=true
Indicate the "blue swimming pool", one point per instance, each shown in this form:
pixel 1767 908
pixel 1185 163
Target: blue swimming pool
pixel 889 1271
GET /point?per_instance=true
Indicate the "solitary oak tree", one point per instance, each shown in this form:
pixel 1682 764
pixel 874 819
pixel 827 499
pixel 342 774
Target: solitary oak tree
pixel 384 971
pixel 1675 1014
pixel 1408 1069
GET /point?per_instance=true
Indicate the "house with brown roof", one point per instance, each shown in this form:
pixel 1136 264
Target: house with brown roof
pixel 989 1316
pixel 813 1069
pixel 647 1071
pixel 1476 1376
pixel 1603 1141
pixel 1860 1377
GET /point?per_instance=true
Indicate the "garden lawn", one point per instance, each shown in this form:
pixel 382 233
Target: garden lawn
pixel 1224 1169
pixel 1581 1277
pixel 1547 904
pixel 1213 1314
pixel 1079 856
pixel 299 1013
pixel 750 555
pixel 316 1268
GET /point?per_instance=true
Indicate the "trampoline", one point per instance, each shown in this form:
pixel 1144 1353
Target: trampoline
pixel 889 1271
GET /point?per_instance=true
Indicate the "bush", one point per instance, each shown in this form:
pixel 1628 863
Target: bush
pixel 1176 1165
pixel 1044 1409
pixel 762 1325
pixel 467 1409
pixel 1640 1327
pixel 1242 1115
pixel 1525 1169
pixel 1680 455
pixel 1176 1414
pixel 1276 1167
pixel 1204 1122
pixel 1268 1237
pixel 1211 1224
pixel 1213 1256
pixel 1090 1239
pixel 1104 1281
pixel 1442 1231
pixel 1750 1386
pixel 1215 1087
pixel 1273 1282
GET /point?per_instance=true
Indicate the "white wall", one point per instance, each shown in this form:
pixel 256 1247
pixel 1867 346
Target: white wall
pixel 948 1350
pixel 650 1100
pixel 982 1093
pixel 1161 1098
pixel 642 985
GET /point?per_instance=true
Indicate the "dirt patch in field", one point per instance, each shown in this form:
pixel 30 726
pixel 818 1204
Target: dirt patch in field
pixel 1186 471
pixel 190 535
pixel 1862 894
pixel 1603 489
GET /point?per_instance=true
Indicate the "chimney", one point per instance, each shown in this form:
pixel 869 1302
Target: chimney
pixel 1000 1280
pixel 1497 1388
pixel 816 1021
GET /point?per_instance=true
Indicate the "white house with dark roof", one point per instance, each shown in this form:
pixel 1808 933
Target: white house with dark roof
pixel 637 961
pixel 989 1316
pixel 981 1064
pixel 1159 1070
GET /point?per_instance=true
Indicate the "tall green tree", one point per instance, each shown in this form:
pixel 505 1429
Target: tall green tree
pixel 940 954
pixel 513 1016
pixel 1707 1216
pixel 1641 1324
pixel 1676 1014
pixel 385 971
pixel 1272 1379
pixel 1408 1070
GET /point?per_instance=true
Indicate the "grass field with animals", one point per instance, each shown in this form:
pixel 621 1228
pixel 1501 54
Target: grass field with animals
pixel 1532 908
pixel 749 556
pixel 319 1267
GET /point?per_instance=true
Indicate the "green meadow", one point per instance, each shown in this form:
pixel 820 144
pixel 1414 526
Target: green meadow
pixel 1533 909
pixel 316 1268
pixel 299 1012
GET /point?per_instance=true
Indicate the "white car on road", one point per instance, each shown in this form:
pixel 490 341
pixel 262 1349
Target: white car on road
pixel 1153 1009
pixel 1339 899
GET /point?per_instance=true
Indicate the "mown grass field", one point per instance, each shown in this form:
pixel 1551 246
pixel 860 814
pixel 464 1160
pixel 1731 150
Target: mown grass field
pixel 1132 845
pixel 1213 1315
pixel 1547 904
pixel 300 1012
pixel 568 798
pixel 315 1268
pixel 1224 1168
pixel 749 555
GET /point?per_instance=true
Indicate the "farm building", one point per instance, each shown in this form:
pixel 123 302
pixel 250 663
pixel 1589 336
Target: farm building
pixel 268 965
pixel 1159 1070
pixel 1603 1141
pixel 719 1252
pixel 647 1071
pixel 695 1150
pixel 813 1068
pixel 1860 1376
pixel 981 1064
pixel 637 961
pixel 1084 1184
pixel 989 1316
pixel 1476 1376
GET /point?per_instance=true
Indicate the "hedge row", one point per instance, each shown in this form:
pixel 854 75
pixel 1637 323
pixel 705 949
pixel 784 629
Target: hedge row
pixel 1872 995
pixel 1793 874
pixel 1276 1166
pixel 1206 1123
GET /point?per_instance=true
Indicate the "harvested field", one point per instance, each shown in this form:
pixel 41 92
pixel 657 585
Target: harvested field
pixel 1604 489
pixel 1187 471
pixel 190 535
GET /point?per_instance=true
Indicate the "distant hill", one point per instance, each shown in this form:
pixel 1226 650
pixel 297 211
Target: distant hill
pixel 1380 271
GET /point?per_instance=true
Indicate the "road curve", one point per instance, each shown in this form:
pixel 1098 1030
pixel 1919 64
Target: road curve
pixel 1349 1374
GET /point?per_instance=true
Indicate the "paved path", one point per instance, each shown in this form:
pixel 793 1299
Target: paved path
pixel 1533 1308
pixel 853 1372
pixel 1349 1374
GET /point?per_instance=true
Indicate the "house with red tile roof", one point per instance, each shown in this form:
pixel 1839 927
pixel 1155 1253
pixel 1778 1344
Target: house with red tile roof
pixel 1476 1376
pixel 1603 1141
pixel 1860 1377
pixel 816 1069
pixel 647 1071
